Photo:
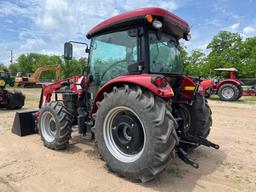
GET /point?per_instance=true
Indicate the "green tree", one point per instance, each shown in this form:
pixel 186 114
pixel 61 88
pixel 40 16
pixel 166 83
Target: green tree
pixel 2 66
pixel 31 62
pixel 74 67
pixel 229 50
pixel 225 50
pixel 195 63
pixel 248 56
pixel 14 69
pixel 184 56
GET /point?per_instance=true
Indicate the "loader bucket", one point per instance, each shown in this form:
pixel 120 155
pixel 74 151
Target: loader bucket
pixel 24 123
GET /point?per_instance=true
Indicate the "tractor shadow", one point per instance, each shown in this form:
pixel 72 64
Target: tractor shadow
pixel 181 177
pixel 80 144
pixel 4 110
pixel 13 111
pixel 177 177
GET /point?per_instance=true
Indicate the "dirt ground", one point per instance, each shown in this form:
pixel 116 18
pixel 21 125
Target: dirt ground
pixel 27 166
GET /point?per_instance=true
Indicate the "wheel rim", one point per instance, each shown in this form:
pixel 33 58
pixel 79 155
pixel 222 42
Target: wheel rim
pixel 124 134
pixel 48 126
pixel 228 92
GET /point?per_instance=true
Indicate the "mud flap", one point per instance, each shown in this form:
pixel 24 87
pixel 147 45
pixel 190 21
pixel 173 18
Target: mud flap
pixel 24 123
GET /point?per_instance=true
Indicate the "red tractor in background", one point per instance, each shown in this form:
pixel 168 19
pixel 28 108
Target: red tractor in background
pixel 134 100
pixel 227 89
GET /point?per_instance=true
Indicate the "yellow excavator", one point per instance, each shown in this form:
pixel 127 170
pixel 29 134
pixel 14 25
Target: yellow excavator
pixel 32 79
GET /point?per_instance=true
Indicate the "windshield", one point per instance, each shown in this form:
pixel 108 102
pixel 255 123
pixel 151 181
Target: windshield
pixel 164 54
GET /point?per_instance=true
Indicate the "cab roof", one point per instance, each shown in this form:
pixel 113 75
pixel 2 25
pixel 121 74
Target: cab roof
pixel 172 23
pixel 226 69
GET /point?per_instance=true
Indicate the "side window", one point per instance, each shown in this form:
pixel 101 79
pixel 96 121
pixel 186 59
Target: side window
pixel 111 54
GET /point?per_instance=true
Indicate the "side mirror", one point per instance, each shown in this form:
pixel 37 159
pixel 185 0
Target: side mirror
pixel 68 51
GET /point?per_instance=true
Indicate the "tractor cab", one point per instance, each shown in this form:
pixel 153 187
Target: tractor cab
pixel 143 41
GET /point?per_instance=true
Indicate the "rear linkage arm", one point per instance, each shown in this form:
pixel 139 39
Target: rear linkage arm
pixel 185 157
pixel 193 141
pixel 190 139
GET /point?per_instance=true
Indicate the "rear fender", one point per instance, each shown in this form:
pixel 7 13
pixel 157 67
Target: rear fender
pixel 188 87
pixel 144 80
pixel 229 81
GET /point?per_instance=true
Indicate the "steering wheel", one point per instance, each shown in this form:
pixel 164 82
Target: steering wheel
pixel 116 64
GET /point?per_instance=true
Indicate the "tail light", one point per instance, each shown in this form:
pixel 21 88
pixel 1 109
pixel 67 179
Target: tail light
pixel 159 81
pixel 149 18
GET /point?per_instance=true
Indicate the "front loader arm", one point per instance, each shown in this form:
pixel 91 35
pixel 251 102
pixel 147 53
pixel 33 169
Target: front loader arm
pixel 74 84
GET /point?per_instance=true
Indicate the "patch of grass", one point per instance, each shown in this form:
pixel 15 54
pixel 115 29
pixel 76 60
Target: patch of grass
pixel 244 99
pixel 32 98
pixel 214 97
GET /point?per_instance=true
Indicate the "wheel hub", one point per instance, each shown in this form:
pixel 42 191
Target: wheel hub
pixel 127 133
pixel 52 125
pixel 228 93
pixel 124 134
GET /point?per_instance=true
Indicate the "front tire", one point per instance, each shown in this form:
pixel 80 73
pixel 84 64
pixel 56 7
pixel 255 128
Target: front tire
pixel 55 126
pixel 145 150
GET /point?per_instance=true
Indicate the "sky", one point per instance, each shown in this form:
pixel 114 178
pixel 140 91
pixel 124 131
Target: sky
pixel 42 26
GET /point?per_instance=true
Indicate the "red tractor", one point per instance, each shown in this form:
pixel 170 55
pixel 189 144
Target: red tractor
pixel 227 89
pixel 134 98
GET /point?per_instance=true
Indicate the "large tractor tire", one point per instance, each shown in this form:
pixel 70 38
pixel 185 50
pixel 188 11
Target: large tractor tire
pixel 135 132
pixel 240 92
pixel 15 100
pixel 199 120
pixel 208 93
pixel 55 126
pixel 229 92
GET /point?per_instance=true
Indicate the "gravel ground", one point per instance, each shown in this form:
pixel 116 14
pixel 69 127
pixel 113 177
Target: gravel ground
pixel 25 165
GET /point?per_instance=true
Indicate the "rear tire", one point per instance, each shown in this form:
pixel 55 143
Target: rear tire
pixel 240 92
pixel 152 138
pixel 200 120
pixel 208 93
pixel 229 92
pixel 55 126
